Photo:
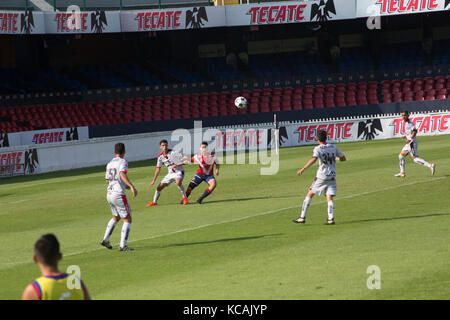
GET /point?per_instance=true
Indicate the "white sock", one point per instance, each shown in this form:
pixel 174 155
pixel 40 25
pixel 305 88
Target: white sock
pixel 330 210
pixel 402 163
pixel 124 235
pixel 422 162
pixel 181 188
pixel 109 229
pixel 156 196
pixel 305 207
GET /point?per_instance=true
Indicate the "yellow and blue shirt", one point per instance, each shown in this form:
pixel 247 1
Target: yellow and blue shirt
pixel 55 287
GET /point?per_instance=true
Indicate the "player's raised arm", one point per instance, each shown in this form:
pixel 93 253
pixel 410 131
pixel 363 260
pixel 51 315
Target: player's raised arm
pixel 307 165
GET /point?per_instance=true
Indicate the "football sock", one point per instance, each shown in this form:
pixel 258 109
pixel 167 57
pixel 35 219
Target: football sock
pixel 124 235
pixel 188 192
pixel 421 162
pixel 402 163
pixel 109 229
pixel 183 193
pixel 156 196
pixel 305 207
pixel 330 210
pixel 205 194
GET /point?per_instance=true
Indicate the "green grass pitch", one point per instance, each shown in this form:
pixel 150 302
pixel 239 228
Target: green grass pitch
pixel 241 243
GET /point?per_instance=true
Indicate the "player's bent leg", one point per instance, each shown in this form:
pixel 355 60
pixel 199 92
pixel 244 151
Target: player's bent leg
pixel 211 182
pixel 179 183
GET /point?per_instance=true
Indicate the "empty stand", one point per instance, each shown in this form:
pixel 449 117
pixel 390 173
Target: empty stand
pixel 211 104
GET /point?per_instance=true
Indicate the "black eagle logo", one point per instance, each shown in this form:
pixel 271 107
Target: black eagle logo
pixel 27 22
pixel 283 136
pixel 194 18
pixel 72 134
pixel 4 142
pixel 31 161
pixel 98 21
pixel 321 11
pixel 368 129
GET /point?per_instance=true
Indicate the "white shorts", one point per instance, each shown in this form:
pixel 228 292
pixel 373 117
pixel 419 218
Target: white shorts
pixel 411 148
pixel 119 205
pixel 327 186
pixel 171 177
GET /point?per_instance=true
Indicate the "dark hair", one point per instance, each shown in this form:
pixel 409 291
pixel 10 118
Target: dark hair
pixel 163 141
pixel 405 111
pixel 46 249
pixel 119 148
pixel 322 135
pixel 204 143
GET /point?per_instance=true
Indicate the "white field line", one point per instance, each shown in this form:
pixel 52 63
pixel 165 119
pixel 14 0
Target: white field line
pixel 241 218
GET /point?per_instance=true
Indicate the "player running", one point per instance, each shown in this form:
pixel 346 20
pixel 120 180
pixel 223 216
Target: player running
pixel 117 180
pixel 206 162
pixel 325 180
pixel 173 161
pixel 411 147
pixel 53 284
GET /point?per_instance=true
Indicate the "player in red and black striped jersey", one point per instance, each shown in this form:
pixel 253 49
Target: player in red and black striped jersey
pixel 206 162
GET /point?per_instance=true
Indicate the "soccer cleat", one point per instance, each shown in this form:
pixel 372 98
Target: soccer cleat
pixel 433 169
pixel 185 201
pixel 400 175
pixel 330 222
pixel 125 249
pixel 106 244
pixel 299 220
pixel 152 204
pixel 199 201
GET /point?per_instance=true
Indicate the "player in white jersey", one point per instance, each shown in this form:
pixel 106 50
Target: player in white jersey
pixel 411 147
pixel 325 180
pixel 205 172
pixel 174 162
pixel 117 180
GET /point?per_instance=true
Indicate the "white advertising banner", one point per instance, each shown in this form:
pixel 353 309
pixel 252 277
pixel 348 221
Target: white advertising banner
pixel 46 158
pixel 27 138
pixel 290 12
pixel 82 22
pixel 22 22
pixel 366 8
pixel 364 129
pixel 172 19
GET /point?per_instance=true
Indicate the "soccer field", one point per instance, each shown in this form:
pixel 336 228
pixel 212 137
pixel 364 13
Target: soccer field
pixel 241 243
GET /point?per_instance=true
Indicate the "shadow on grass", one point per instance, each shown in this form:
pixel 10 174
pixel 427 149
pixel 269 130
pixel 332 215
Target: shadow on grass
pixel 214 241
pixel 398 218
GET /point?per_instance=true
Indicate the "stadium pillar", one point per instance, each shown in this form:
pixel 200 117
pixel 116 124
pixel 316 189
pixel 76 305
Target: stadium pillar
pixel 54 5
pixel 26 5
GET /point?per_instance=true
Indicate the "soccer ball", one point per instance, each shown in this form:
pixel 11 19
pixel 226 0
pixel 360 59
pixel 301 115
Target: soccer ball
pixel 240 102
